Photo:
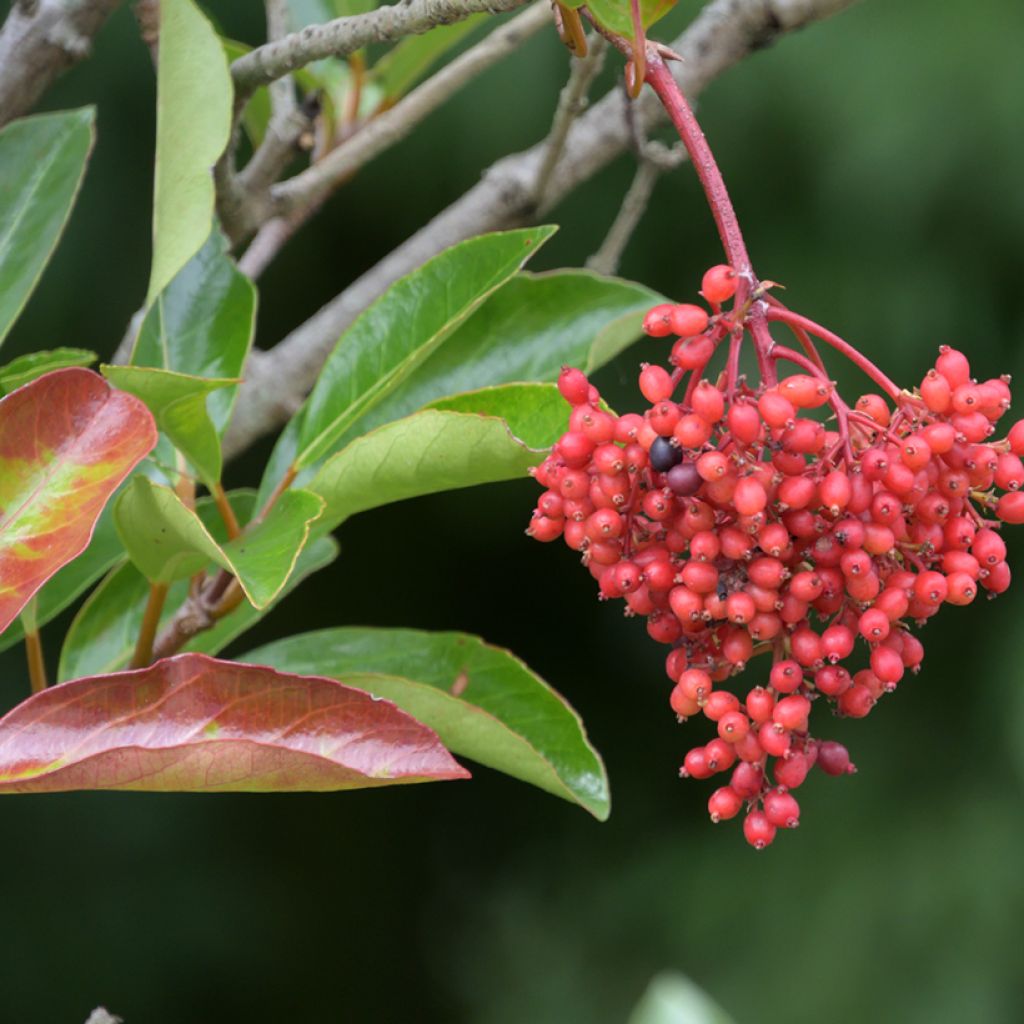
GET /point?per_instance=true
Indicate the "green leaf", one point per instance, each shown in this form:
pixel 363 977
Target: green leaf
pixel 42 162
pixel 102 636
pixel 105 550
pixel 67 440
pixel 28 367
pixel 615 15
pixel 178 401
pixel 481 700
pixel 442 449
pixel 527 330
pixel 672 998
pixel 393 336
pixel 193 123
pixel 405 64
pixel 202 324
pixel 195 724
pixel 168 541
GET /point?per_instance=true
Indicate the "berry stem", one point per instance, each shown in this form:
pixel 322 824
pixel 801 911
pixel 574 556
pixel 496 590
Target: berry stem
pixel 795 320
pixel 661 80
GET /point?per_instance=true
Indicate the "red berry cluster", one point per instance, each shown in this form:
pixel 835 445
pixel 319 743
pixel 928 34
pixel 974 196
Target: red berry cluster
pixel 777 519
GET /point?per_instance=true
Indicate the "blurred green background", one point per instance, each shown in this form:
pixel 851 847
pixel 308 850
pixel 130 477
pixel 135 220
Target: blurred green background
pixel 876 162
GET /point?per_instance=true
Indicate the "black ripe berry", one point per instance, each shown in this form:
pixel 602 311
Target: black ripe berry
pixel 664 455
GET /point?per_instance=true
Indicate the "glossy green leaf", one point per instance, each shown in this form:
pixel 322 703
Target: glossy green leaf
pixel 393 336
pixel 42 162
pixel 526 331
pixel 672 998
pixel 193 122
pixel 105 550
pixel 168 541
pixel 178 402
pixel 202 324
pixel 28 367
pixel 195 724
pixel 615 15
pixel 481 700
pixel 442 449
pixel 407 62
pixel 102 636
pixel 67 440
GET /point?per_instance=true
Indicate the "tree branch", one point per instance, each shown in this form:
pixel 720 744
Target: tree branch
pixel 572 101
pixel 724 33
pixel 39 40
pixel 314 184
pixel 344 36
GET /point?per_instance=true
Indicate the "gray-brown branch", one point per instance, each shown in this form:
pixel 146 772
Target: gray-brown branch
pixel 39 40
pixel 344 36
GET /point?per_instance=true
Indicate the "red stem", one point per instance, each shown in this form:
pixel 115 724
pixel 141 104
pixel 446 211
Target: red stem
pixel 792 319
pixel 661 80
pixel 841 409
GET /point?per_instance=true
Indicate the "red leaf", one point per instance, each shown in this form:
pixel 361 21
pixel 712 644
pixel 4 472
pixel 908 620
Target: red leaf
pixel 194 723
pixel 67 440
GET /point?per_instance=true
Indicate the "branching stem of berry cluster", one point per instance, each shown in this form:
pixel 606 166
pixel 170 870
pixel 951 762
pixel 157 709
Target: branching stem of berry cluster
pixel 754 308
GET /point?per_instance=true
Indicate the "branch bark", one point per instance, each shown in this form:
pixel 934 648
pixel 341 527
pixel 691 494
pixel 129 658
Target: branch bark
pixel 724 33
pixel 312 185
pixel 344 36
pixel 39 40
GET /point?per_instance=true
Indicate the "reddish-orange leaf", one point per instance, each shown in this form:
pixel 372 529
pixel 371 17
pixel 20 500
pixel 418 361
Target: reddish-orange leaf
pixel 194 723
pixel 67 440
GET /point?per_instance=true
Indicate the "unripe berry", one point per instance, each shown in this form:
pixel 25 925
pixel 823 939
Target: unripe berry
pixel 746 779
pixel 687 320
pixel 758 830
pixel 719 704
pixel 655 383
pixel 733 726
pixel 573 385
pixel 786 676
pixel 695 765
pixel 656 322
pixel 792 771
pixel 1011 507
pixel 791 713
pixel 718 284
pixel 745 423
pixel 781 808
pixel 724 803
pixel 708 402
pixel 682 705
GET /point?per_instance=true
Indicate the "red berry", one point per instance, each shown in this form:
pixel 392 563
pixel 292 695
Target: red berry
pixel 758 830
pixel 687 320
pixel 781 808
pixel 718 284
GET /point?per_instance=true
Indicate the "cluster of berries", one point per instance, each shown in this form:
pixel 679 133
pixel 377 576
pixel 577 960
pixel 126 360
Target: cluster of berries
pixel 777 519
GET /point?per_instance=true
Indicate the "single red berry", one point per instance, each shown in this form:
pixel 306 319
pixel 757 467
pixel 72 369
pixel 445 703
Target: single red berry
pixel 758 830
pixel 573 385
pixel 687 320
pixel 781 808
pixel 718 284
pixel 724 803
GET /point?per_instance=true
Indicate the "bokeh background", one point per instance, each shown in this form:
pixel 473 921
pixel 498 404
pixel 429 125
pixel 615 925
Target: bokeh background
pixel 876 161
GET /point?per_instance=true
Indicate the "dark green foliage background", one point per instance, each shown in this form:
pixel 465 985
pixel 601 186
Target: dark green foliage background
pixel 876 162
